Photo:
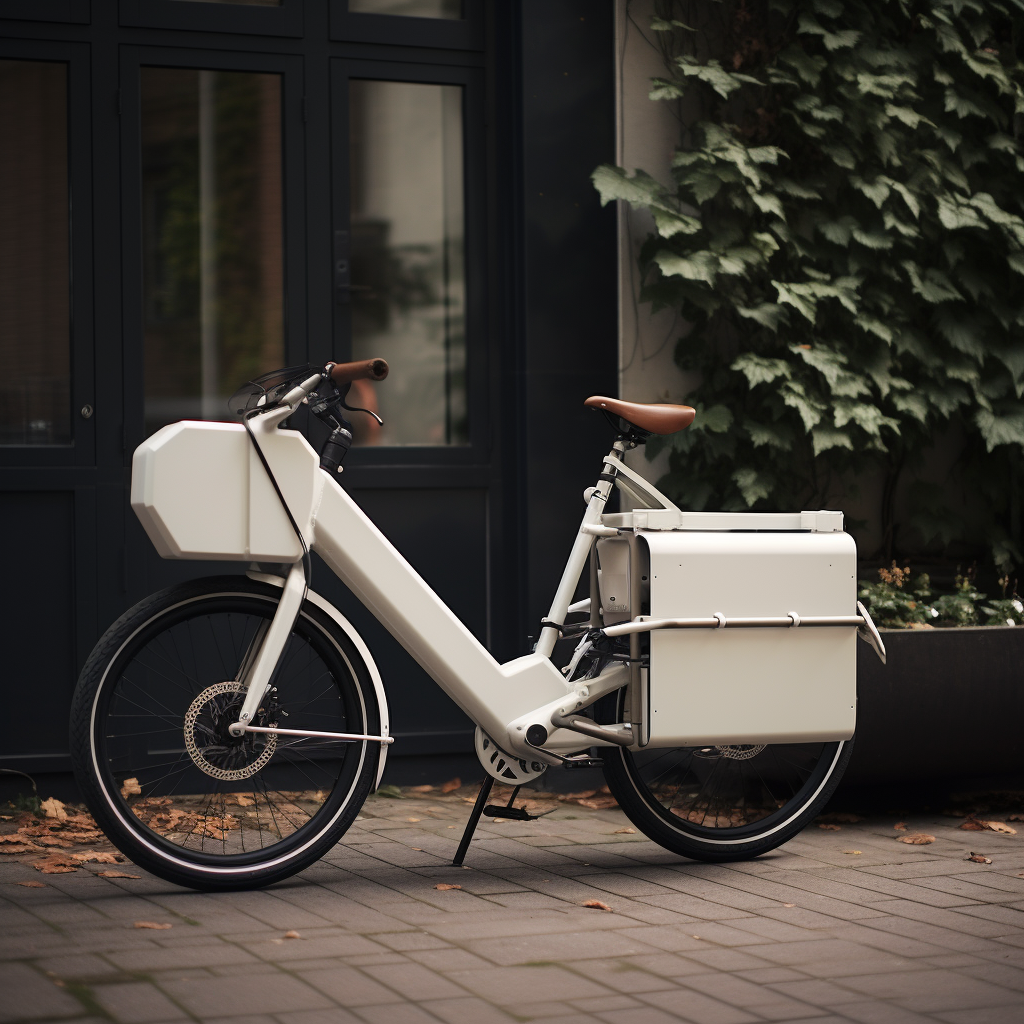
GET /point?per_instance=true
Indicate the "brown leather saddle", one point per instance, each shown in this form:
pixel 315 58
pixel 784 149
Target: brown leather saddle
pixel 655 419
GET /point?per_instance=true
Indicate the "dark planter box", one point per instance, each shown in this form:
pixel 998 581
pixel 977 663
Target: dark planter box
pixel 949 705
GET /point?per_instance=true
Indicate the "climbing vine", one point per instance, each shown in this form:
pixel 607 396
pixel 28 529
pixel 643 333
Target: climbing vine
pixel 844 231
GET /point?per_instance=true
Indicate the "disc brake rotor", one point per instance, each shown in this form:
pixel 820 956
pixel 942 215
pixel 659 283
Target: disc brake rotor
pixel 208 741
pixel 743 752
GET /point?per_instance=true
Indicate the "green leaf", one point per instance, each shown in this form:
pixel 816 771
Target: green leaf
pixel 760 369
pixel 996 430
pixel 790 295
pixel 697 266
pixel 824 437
pixel 768 314
pixel 718 419
pixel 754 486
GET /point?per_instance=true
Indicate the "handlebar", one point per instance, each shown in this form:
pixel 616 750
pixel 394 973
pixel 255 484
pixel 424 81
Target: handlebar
pixel 366 369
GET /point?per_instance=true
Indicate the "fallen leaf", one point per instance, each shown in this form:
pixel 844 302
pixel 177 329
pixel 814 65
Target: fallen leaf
pixel 829 827
pixel 21 848
pixel 451 785
pixel 573 797
pixel 1000 827
pixel 1015 817
pixel 390 791
pixel 852 853
pixel 412 819
pixel 130 787
pixel 625 832
pixel 116 874
pixel 421 789
pixel 53 808
pixel 916 839
pixel 979 858
pixel 445 885
pixel 55 864
pixel 973 825
pixel 900 826
pixel 292 935
pixel 789 904
pixel 243 801
pixel 33 885
pixel 597 905
pixel 90 856
pixel 153 924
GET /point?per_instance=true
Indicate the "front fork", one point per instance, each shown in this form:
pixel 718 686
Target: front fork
pixel 257 669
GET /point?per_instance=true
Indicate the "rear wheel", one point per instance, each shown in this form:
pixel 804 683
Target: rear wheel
pixel 162 775
pixel 722 803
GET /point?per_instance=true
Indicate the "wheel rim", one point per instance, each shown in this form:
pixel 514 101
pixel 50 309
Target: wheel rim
pixel 235 806
pixel 730 794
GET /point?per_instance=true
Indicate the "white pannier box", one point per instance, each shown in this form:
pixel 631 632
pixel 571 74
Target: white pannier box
pixel 741 685
pixel 200 491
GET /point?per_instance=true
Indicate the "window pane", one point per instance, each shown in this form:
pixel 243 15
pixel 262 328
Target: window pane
pixel 35 301
pixel 212 243
pixel 409 8
pixel 408 282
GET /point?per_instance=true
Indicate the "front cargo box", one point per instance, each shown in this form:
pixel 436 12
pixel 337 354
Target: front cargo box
pixel 750 685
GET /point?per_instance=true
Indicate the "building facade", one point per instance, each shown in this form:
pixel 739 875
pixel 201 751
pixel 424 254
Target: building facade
pixel 192 193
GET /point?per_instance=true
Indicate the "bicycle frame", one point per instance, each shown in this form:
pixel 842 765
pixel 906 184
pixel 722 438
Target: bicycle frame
pixel 503 699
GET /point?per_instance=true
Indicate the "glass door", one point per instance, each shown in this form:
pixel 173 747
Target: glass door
pixel 209 174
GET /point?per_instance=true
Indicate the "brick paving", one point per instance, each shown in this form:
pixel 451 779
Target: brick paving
pixel 892 934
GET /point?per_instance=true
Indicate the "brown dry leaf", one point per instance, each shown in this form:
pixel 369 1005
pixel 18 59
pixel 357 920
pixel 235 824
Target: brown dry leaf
pixel 852 853
pixel 900 826
pixel 1015 817
pixel 571 798
pixel 90 856
pixel 53 808
pixel 973 825
pixel 829 827
pixel 451 785
pixel 597 905
pixel 979 858
pixel 116 874
pixel 243 801
pixel 22 848
pixel 33 885
pixel 1000 827
pixel 916 839
pixel 789 904
pixel 55 864
pixel 444 886
pixel 130 787
pixel 13 837
pixel 292 934
pixel 599 803
pixel 155 925
pixel 625 832
pixel 421 789
pixel 413 819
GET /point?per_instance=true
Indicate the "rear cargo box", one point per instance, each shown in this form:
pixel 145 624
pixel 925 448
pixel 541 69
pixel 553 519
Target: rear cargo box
pixel 743 685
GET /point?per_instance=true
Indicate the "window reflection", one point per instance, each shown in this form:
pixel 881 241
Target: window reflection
pixel 35 353
pixel 409 8
pixel 212 242
pixel 408 281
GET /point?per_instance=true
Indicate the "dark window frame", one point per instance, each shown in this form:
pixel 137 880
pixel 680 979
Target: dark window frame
pixel 189 15
pixel 466 33
pixel 81 450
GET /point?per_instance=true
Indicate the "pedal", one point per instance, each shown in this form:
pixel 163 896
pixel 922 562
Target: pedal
pixel 515 813
pixel 583 762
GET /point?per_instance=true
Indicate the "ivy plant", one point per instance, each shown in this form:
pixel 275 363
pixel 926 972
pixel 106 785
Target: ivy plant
pixel 844 231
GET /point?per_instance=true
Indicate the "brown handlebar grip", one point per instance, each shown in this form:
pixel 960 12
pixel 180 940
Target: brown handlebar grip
pixel 366 369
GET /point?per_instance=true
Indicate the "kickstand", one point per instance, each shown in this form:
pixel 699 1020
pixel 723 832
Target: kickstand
pixel 474 818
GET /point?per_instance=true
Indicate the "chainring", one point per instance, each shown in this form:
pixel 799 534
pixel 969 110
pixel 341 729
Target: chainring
pixel 503 766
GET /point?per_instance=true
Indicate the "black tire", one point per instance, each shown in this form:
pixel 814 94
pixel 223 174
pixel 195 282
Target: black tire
pixel 163 778
pixel 724 803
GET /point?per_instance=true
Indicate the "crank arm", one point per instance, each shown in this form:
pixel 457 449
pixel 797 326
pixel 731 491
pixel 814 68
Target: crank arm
pixel 341 737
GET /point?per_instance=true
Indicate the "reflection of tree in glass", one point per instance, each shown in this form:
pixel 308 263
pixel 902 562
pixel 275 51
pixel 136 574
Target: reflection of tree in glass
pixel 245 215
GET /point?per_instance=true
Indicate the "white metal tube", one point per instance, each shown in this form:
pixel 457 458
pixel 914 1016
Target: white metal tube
pixel 721 622
pixel 577 559
pixel 341 737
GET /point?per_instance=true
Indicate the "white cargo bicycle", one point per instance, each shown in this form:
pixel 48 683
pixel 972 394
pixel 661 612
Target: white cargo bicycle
pixel 225 732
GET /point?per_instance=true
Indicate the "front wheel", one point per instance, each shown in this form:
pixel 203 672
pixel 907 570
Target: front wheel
pixel 162 775
pixel 725 803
